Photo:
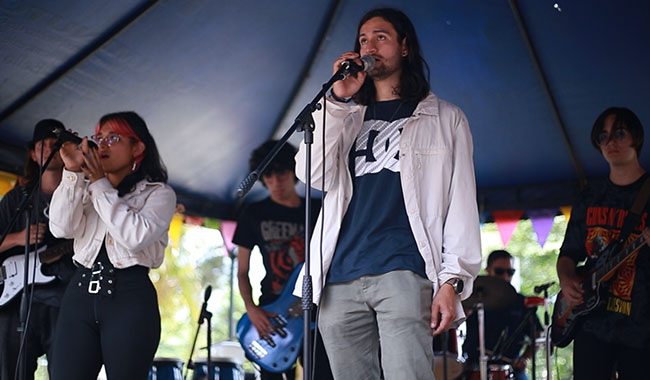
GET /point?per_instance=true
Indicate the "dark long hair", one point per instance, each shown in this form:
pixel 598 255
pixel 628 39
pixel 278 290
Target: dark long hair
pixel 414 83
pixel 32 170
pixel 623 118
pixel 150 166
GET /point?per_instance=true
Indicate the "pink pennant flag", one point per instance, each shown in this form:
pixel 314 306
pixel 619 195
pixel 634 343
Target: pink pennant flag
pixel 227 232
pixel 506 221
pixel 542 220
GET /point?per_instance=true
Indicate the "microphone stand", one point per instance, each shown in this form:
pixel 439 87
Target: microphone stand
pixel 303 123
pixel 204 315
pixel 547 336
pixel 533 334
pixel 23 207
pixel 547 330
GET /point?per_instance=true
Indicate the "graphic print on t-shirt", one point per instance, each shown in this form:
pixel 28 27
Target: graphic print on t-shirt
pixel 285 243
pixel 377 146
pixel 604 225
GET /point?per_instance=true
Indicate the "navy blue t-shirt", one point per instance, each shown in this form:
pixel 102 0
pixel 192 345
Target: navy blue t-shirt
pixel 375 236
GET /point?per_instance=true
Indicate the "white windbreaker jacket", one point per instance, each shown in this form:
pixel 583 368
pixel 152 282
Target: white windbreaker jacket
pixel 437 177
pixel 134 227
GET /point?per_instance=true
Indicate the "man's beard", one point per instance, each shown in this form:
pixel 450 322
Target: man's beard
pixel 382 71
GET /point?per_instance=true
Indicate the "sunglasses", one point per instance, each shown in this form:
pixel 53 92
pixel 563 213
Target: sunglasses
pixel 108 140
pixel 502 271
pixel 618 134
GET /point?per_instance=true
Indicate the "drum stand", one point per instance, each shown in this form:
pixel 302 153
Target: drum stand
pixel 205 315
pixel 547 336
pixel 481 340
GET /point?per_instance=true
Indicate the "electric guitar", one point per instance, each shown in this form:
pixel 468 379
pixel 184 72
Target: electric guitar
pixel 592 274
pixel 12 274
pixel 278 352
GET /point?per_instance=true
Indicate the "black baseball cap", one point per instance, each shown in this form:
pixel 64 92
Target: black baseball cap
pixel 45 129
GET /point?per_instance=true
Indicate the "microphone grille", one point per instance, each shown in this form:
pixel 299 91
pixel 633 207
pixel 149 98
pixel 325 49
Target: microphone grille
pixel 368 63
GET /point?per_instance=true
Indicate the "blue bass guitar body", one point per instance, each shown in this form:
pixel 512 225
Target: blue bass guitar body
pixel 278 352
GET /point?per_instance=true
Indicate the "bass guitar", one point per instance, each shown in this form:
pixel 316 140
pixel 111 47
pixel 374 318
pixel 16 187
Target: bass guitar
pixel 12 274
pixel 278 352
pixel 592 275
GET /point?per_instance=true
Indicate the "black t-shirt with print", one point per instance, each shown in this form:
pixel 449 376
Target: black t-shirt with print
pixel 279 233
pixel 597 219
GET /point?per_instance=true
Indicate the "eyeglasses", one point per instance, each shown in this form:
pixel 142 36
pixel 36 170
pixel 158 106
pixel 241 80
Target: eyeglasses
pixel 502 271
pixel 618 134
pixel 108 140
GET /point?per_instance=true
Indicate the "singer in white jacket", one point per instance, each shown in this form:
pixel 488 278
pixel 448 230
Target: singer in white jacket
pixel 114 203
pixel 390 277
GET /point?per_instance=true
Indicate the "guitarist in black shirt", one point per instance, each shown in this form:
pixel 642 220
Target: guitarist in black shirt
pixel 46 298
pixel 615 335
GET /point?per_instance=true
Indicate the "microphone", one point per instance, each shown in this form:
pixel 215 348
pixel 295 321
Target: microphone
pixel 64 136
pixel 349 66
pixel 207 294
pixel 204 308
pixel 541 288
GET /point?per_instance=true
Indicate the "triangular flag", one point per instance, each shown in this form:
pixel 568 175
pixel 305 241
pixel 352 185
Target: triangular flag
pixel 542 221
pixel 227 232
pixel 175 228
pixel 566 211
pixel 506 222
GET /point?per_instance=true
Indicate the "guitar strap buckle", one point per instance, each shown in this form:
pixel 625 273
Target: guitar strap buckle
pixel 94 284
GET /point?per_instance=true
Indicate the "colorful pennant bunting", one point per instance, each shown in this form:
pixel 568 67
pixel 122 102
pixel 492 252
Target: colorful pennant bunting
pixel 506 222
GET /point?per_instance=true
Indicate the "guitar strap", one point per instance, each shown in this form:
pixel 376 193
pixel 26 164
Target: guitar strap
pixel 632 219
pixel 634 216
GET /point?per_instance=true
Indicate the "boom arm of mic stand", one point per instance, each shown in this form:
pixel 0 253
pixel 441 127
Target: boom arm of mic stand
pixel 304 119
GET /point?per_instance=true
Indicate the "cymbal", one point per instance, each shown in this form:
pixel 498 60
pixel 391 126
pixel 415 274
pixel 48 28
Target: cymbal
pixel 494 292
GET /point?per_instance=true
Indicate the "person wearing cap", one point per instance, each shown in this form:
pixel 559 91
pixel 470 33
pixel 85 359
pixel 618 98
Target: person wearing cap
pixel 46 297
pixel 276 225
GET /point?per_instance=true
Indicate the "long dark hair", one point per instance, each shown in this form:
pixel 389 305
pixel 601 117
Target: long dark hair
pixel 149 166
pixel 414 84
pixel 623 118
pixel 32 169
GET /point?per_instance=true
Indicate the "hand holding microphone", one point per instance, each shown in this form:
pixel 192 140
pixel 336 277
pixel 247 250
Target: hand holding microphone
pixel 80 156
pixel 354 74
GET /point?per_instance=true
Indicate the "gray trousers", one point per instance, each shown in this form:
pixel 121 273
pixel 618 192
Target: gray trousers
pixel 391 310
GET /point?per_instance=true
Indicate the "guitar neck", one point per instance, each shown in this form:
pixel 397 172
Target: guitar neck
pixel 607 269
pixel 53 253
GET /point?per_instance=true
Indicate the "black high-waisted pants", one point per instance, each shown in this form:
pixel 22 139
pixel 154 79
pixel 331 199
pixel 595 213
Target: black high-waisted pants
pixel 119 326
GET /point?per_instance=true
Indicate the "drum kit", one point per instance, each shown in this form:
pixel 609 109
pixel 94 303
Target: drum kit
pixel 490 293
pixel 226 365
